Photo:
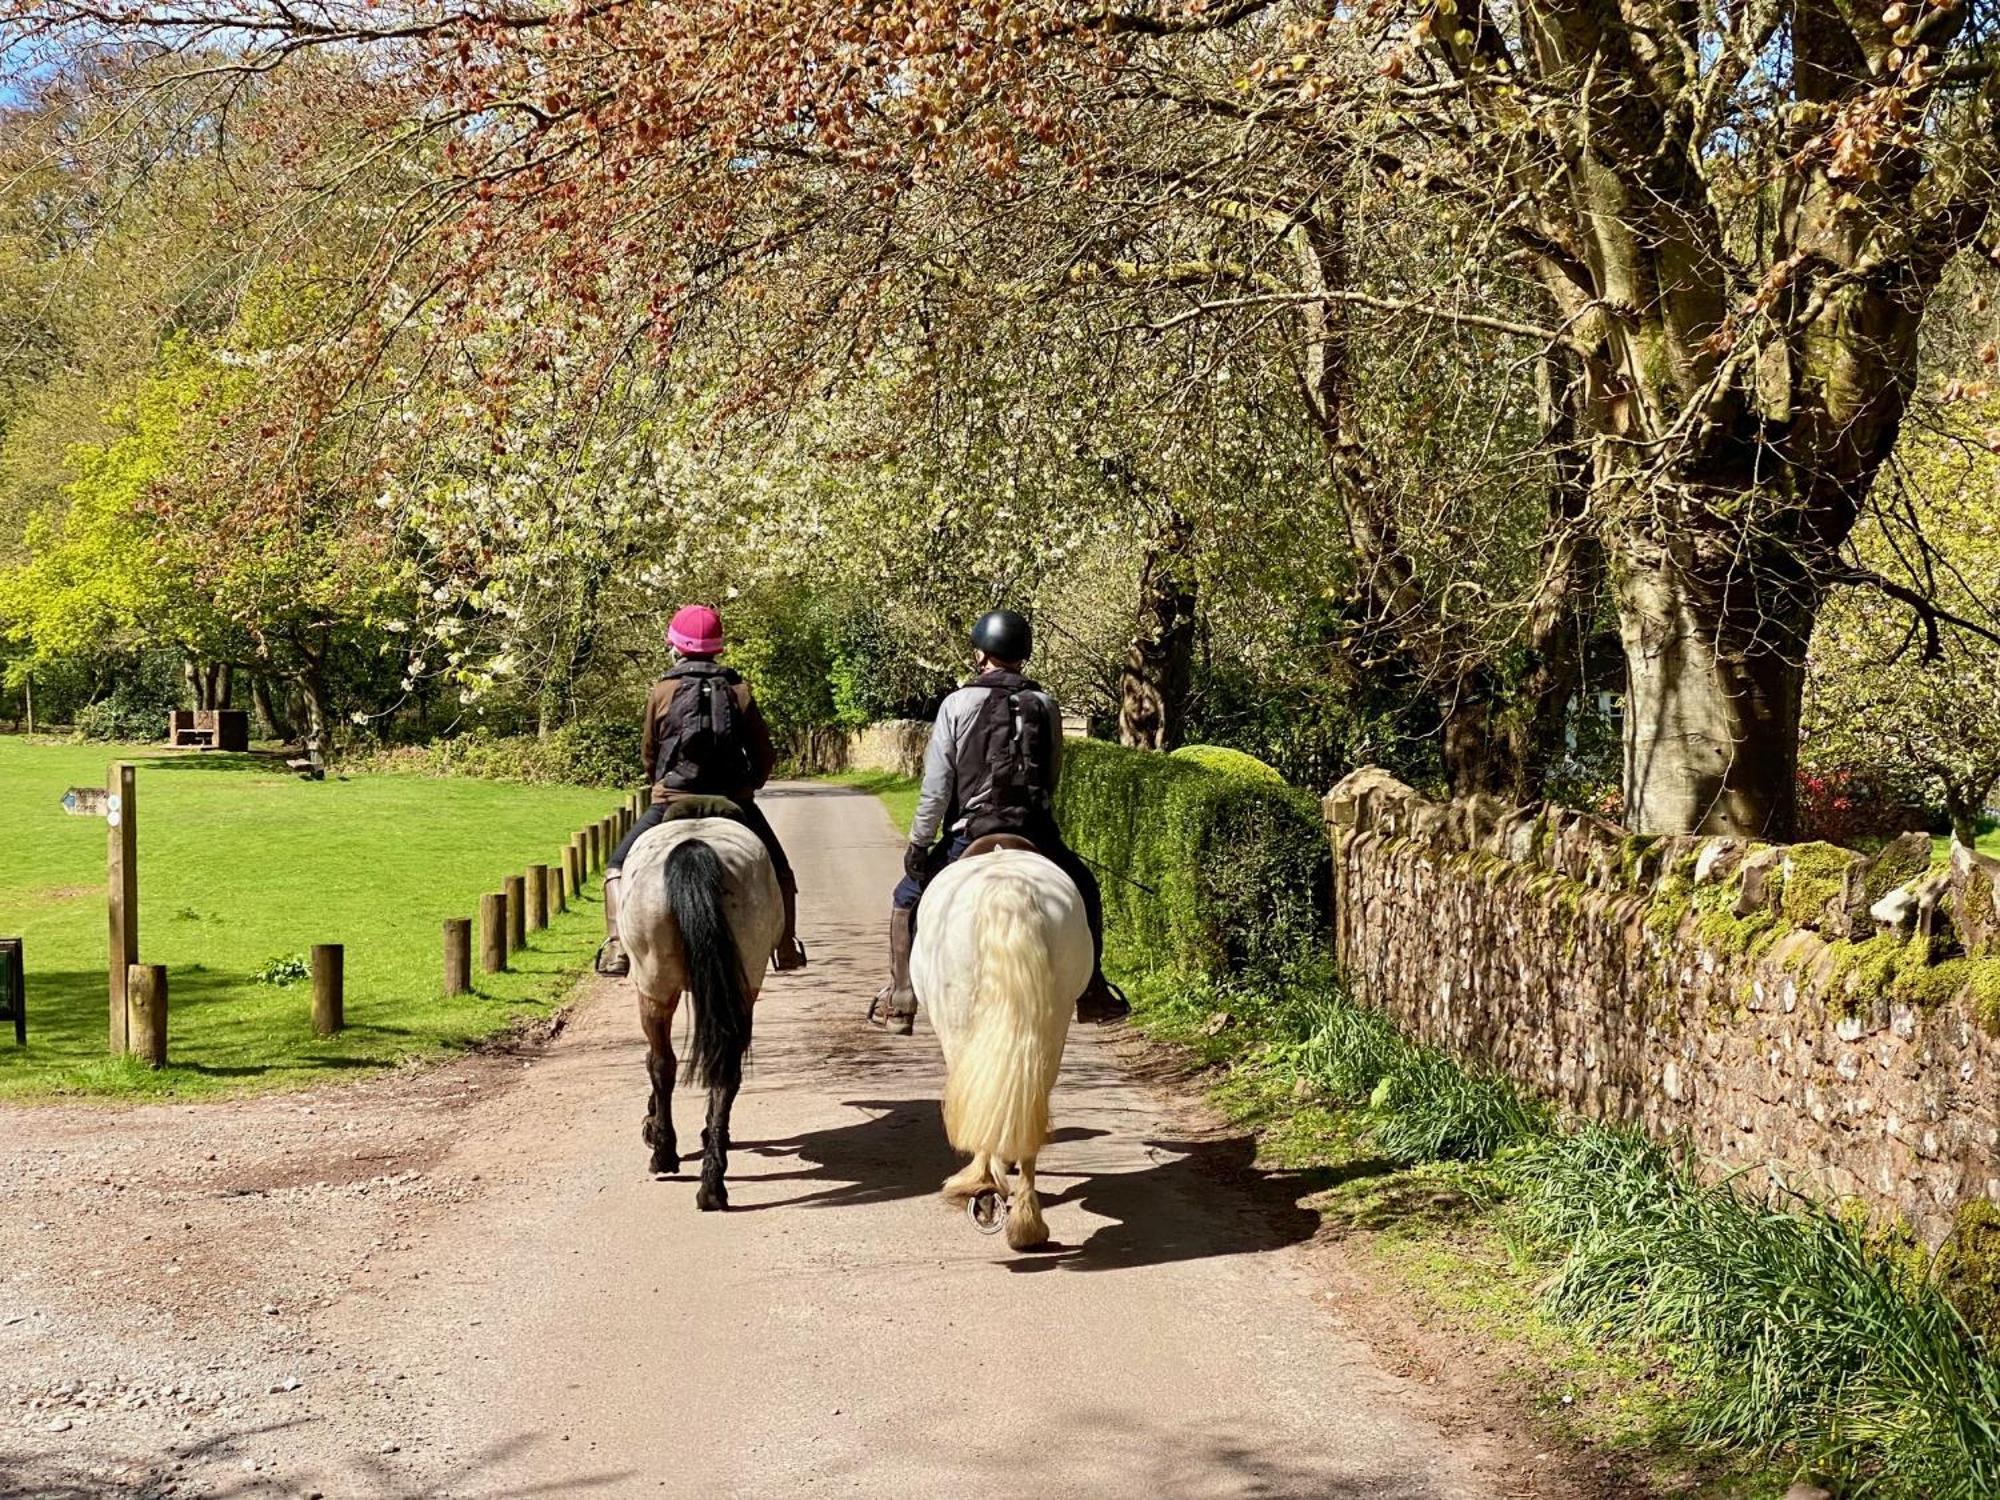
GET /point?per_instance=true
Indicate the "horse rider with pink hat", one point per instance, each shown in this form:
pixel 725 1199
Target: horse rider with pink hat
pixel 704 740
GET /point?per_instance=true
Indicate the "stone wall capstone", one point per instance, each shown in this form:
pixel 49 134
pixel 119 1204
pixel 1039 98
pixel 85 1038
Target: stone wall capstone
pixel 1802 1008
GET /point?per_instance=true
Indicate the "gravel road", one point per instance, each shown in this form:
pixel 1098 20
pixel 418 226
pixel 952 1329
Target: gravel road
pixel 459 1280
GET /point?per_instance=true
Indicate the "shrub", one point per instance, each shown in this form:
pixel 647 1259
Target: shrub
pixel 137 707
pixel 1218 869
pixel 590 752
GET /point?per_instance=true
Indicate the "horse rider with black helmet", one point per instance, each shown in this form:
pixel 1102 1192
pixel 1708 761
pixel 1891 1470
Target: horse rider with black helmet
pixel 991 767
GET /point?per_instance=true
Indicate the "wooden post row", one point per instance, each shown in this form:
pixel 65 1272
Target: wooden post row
pixel 329 971
pixel 457 955
pixel 493 932
pixel 121 814
pixel 146 1016
pixel 572 866
pixel 517 914
pixel 594 842
pixel 538 897
pixel 558 899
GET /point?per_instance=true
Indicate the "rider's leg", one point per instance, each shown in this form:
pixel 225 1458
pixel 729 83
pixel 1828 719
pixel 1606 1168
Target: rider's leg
pixel 790 953
pixel 894 1007
pixel 611 957
pixel 1101 1002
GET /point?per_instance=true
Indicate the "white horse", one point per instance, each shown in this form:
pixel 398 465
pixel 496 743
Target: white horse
pixel 705 923
pixel 1002 952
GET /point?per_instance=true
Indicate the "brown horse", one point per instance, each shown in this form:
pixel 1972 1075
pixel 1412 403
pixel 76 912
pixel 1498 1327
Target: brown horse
pixel 705 925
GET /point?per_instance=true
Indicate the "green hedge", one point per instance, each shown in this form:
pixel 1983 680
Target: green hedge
pixel 1207 864
pixel 593 752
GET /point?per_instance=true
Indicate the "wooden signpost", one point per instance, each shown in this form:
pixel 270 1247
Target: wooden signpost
pixel 118 805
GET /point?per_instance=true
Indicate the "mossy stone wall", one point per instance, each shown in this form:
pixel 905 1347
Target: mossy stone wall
pixel 1740 996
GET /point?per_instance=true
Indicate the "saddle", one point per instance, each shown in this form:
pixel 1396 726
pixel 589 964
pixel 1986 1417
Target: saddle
pixel 994 841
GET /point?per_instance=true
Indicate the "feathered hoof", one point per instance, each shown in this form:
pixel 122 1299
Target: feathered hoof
pixel 665 1164
pixel 1026 1229
pixel 964 1185
pixel 712 1196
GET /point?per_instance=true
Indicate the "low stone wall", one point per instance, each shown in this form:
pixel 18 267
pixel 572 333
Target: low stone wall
pixel 1798 1007
pixel 892 745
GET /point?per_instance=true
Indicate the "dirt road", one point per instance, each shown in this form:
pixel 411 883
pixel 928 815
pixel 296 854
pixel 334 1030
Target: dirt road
pixel 461 1281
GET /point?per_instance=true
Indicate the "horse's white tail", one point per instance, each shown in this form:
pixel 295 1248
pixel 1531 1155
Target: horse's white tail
pixel 996 1099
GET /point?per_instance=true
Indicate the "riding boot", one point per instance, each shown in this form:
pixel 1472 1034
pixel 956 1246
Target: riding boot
pixel 894 1007
pixel 790 953
pixel 611 959
pixel 1103 1002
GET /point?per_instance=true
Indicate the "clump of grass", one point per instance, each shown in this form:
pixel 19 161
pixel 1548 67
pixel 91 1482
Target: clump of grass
pixel 288 969
pixel 1787 1333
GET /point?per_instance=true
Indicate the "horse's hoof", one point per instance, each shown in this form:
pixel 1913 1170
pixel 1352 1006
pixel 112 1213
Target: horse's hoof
pixel 666 1164
pixel 987 1210
pixel 711 1198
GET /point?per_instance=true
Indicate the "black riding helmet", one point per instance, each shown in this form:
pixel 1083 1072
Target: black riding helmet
pixel 1004 635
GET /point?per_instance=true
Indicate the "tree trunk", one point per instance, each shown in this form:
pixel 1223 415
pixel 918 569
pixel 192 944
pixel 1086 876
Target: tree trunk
pixel 1153 687
pixel 1713 688
pixel 312 688
pixel 224 684
pixel 275 725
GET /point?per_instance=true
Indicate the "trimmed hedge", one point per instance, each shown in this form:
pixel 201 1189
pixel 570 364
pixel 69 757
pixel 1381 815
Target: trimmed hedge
pixel 1207 865
pixel 1229 762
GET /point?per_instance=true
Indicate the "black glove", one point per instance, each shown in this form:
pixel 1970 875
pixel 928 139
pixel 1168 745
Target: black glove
pixel 916 862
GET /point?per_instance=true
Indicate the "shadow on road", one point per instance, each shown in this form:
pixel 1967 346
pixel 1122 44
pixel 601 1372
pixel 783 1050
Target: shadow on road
pixel 216 1464
pixel 1200 1198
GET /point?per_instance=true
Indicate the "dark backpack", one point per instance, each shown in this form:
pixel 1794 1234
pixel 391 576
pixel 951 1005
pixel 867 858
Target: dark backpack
pixel 1015 741
pixel 702 743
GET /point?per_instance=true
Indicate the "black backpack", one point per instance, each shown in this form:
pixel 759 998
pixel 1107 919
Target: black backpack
pixel 702 743
pixel 1016 743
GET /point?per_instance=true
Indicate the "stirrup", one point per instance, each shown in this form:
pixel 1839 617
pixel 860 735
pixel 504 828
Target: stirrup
pixel 895 1022
pixel 1102 1003
pixel 614 966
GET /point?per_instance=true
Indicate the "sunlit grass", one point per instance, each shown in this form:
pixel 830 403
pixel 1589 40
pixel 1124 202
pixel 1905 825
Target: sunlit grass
pixel 241 863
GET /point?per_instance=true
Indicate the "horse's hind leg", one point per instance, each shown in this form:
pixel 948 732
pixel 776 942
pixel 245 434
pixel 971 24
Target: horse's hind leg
pixel 715 1141
pixel 1026 1229
pixel 658 1132
pixel 715 1148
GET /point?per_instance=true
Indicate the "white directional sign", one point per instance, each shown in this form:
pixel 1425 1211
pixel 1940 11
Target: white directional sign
pixel 90 802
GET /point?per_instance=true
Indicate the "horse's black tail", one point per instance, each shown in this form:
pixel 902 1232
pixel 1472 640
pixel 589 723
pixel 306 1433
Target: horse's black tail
pixel 721 1013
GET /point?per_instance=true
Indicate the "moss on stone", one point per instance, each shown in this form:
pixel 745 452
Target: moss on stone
pixel 1983 984
pixel 1814 875
pixel 1725 932
pixel 1632 854
pixel 1968 1266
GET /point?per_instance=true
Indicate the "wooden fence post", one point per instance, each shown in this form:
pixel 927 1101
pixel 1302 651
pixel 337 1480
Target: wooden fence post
pixel 517 914
pixel 329 966
pixel 146 1002
pixel 593 838
pixel 121 813
pixel 457 955
pixel 493 932
pixel 538 897
pixel 558 897
pixel 571 868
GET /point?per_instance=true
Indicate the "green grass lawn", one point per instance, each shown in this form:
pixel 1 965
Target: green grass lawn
pixel 1987 843
pixel 241 863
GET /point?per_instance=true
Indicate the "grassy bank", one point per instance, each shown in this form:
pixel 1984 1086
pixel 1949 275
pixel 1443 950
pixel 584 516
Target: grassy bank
pixel 1768 1328
pixel 241 865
